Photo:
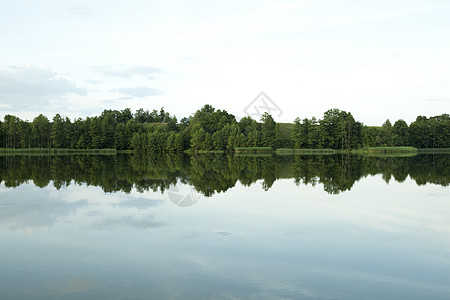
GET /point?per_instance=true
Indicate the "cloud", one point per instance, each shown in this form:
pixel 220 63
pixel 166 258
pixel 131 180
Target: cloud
pixel 139 91
pixel 129 72
pixel 29 87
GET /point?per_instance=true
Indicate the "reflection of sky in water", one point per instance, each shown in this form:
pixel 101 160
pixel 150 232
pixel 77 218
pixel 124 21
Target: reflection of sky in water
pixel 378 241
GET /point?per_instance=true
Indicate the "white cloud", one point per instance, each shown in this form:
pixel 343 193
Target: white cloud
pixel 29 87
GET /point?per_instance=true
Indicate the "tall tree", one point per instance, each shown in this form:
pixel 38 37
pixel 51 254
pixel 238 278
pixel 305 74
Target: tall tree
pixel 10 128
pixel 95 133
pixel 419 133
pixel 41 131
pixel 268 130
pixel 330 129
pixel 386 137
pixel 400 133
pixel 197 137
pixel 2 135
pixel 57 133
pixel 108 126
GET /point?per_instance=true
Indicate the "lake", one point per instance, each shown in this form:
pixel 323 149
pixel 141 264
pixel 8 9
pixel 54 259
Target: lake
pixel 225 227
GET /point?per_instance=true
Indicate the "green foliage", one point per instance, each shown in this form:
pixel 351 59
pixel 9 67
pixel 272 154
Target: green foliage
pixel 431 132
pixel 304 151
pixel 268 131
pixel 197 137
pixel 337 130
pixel 387 150
pixel 400 133
pixel 55 151
pixel 217 130
pixel 41 131
pixel 386 136
pixel 253 149
pixel 211 120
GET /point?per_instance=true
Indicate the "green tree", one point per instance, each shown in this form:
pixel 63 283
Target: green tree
pixel 197 137
pixel 314 138
pixel 350 131
pixel 139 142
pixel 370 136
pixel 81 136
pixel 95 133
pixel 441 130
pixel 2 135
pixel 10 129
pixel 178 143
pixel 132 127
pixel 107 128
pixel 41 131
pixel 330 129
pixel 211 120
pixel 278 138
pixel 301 133
pixel 142 116
pixel 268 131
pixel 386 137
pixel 172 125
pixel 120 139
pixel 124 116
pixel 219 138
pixel 170 142
pixel 58 133
pixel 420 133
pixel 234 137
pixel 254 138
pixel 400 133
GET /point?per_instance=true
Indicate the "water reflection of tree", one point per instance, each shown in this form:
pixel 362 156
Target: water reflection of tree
pixel 210 174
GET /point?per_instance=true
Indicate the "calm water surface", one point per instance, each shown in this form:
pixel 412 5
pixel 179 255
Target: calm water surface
pixel 111 234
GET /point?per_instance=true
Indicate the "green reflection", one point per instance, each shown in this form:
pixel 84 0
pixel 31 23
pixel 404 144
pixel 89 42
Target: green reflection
pixel 214 173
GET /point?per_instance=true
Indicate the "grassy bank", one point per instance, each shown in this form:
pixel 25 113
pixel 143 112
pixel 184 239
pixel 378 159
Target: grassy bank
pixel 434 150
pixel 125 151
pixel 289 151
pixel 255 154
pixel 56 151
pixel 253 150
pixel 190 151
pixel 386 150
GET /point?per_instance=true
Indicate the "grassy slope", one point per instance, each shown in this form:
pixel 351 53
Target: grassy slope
pixel 285 131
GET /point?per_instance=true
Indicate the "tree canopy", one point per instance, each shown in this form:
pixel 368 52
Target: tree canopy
pixel 209 129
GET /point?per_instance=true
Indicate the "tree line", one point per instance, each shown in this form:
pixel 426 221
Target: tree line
pixel 339 130
pixel 209 129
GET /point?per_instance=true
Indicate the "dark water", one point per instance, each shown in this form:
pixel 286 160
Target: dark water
pixel 225 227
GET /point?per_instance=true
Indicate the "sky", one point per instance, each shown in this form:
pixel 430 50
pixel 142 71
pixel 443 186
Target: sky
pixel 383 59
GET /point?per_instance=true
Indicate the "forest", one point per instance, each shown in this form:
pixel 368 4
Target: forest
pixel 215 130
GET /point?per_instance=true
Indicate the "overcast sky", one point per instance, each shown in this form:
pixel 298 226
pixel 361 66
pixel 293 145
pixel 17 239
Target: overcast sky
pixel 377 59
